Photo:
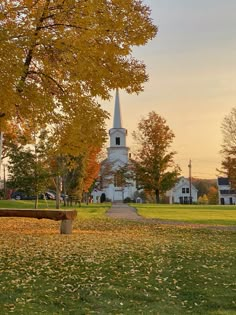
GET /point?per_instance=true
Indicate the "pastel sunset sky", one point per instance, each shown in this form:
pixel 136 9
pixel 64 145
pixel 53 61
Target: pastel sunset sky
pixel 192 69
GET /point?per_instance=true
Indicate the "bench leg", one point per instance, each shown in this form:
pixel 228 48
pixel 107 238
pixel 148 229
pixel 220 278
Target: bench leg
pixel 66 227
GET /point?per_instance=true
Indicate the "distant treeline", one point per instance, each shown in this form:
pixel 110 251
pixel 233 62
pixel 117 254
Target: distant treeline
pixel 203 185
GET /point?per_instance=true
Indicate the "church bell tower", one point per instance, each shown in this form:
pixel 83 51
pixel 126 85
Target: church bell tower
pixel 114 186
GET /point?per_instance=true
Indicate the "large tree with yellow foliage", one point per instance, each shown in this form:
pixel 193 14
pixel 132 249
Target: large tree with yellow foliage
pixel 58 54
pixel 59 57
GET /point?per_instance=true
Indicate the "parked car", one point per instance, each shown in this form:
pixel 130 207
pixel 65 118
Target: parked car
pixel 20 195
pixel 53 195
pixel 49 195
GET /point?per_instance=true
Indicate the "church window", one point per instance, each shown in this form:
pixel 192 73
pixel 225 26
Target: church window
pixel 117 140
pixel 119 179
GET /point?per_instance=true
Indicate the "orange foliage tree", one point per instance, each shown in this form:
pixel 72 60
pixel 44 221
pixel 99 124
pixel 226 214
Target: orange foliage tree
pixel 92 168
pixel 154 164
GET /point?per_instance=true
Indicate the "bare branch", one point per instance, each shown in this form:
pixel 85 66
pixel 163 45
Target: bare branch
pixel 63 24
pixel 48 77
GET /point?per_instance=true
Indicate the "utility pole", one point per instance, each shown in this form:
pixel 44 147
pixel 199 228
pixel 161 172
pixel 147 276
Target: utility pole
pixel 190 181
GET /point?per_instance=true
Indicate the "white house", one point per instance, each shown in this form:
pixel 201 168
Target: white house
pixel 227 196
pixel 117 158
pixel 183 192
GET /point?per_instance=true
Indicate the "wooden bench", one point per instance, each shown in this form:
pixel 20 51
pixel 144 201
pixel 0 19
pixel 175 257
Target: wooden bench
pixel 65 216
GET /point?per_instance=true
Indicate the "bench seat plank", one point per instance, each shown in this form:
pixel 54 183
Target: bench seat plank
pixel 40 214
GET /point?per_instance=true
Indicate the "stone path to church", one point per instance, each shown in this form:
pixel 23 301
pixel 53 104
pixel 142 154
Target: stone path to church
pixel 123 211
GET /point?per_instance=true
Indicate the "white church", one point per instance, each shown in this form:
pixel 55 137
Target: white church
pixel 111 184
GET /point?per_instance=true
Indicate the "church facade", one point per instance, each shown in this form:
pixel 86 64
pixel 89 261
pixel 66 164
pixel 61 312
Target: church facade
pixel 112 183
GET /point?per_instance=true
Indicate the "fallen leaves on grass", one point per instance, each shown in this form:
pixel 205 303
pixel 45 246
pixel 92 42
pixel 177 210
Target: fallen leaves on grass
pixel 115 267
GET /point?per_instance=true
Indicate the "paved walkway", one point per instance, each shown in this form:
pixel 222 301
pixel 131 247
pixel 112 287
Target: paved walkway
pixel 123 211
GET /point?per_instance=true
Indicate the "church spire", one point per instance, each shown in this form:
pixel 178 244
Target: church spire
pixel 117 122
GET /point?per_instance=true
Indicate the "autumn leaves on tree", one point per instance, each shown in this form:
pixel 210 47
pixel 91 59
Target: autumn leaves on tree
pixel 57 58
pixel 154 161
pixel 57 55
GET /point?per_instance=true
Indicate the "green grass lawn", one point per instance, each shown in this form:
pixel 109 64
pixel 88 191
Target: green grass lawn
pixel 28 204
pixel 115 267
pixel 93 210
pixel 205 214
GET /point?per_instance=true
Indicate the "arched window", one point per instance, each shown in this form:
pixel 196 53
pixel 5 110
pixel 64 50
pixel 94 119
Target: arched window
pixel 117 140
pixel 119 179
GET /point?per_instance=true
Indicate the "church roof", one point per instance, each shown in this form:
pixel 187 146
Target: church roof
pixel 117 122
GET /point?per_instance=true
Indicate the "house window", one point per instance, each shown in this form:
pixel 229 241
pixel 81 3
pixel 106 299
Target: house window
pixel 183 190
pixel 117 140
pixel 187 190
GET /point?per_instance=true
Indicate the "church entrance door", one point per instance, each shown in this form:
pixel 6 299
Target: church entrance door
pixel 118 195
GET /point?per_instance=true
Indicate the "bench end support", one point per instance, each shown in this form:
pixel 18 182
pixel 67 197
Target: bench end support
pixel 66 227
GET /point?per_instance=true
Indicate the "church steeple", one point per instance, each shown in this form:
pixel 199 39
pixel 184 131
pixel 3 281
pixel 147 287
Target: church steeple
pixel 118 150
pixel 117 121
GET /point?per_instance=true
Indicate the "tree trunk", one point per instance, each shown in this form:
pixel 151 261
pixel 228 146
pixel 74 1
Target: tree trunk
pixel 1 143
pixel 87 198
pixel 157 194
pixel 36 202
pixel 58 192
pixel 30 52
pixel 64 190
